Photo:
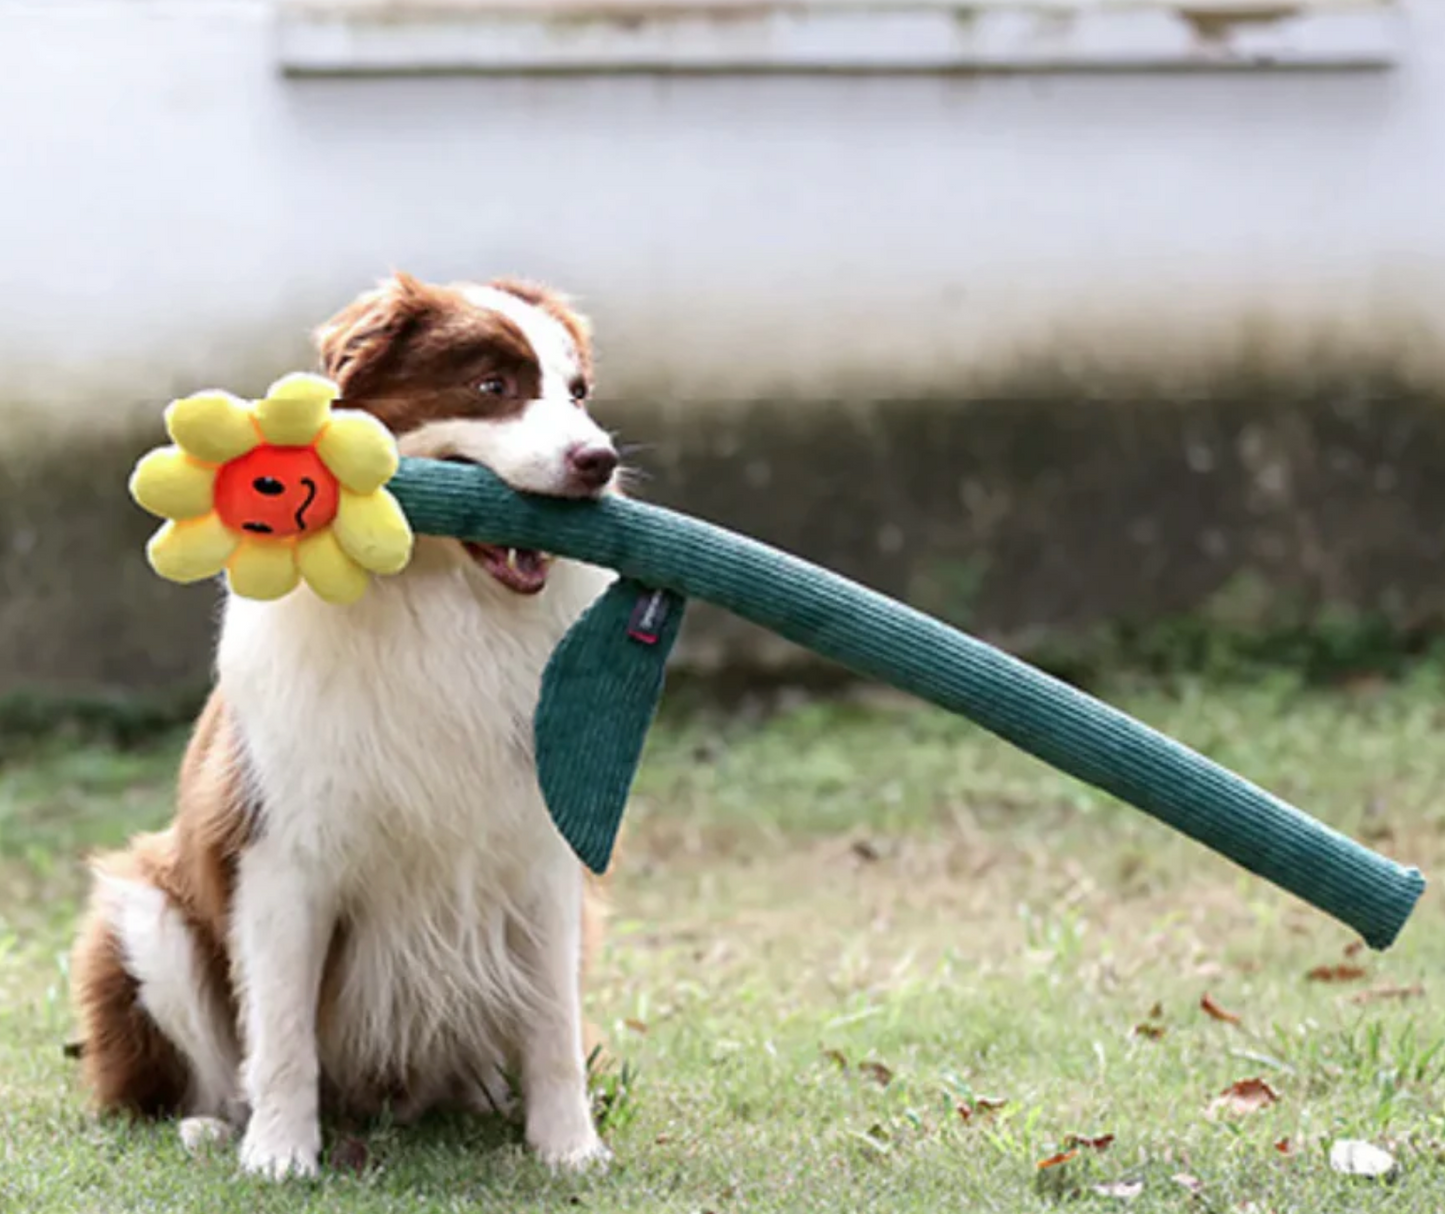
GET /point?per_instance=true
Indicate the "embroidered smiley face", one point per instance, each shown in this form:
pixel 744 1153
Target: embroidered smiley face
pixel 277 491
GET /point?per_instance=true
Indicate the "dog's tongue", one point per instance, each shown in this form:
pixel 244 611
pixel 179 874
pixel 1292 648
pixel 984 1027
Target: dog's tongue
pixel 527 561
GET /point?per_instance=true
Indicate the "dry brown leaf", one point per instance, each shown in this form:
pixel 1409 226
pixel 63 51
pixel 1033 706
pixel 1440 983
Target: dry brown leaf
pixel 877 1072
pixel 1055 1177
pixel 1152 1025
pixel 1284 1147
pixel 1377 994
pixel 637 1026
pixel 866 851
pixel 1354 948
pixel 1054 1161
pixel 837 1056
pixel 981 1106
pixel 1124 1190
pixel 1213 1010
pixel 1335 973
pixel 1100 1143
pixel 1244 1097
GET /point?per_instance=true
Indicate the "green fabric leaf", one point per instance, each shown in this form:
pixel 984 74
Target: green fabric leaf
pixel 599 695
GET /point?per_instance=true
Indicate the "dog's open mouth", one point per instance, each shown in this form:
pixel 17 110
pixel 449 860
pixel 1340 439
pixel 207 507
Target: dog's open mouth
pixel 520 570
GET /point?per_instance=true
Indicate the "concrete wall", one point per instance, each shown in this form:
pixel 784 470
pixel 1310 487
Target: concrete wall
pixel 176 210
pixel 800 250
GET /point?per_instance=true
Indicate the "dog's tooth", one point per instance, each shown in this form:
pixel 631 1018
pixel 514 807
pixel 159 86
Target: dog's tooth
pixel 512 559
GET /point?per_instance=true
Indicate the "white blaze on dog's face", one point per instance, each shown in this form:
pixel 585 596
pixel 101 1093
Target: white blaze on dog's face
pixel 497 375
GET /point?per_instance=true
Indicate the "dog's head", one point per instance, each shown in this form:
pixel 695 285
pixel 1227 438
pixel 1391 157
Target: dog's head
pixel 498 375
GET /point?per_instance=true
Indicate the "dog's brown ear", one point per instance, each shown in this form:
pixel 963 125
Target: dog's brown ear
pixel 357 343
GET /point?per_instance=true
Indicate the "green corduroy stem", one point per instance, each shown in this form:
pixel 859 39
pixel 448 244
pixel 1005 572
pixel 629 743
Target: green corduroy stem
pixel 885 640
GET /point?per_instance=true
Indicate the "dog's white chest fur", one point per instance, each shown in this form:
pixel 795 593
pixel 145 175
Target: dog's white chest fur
pixel 390 746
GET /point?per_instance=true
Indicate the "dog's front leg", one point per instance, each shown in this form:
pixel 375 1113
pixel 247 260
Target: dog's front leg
pixel 554 1069
pixel 282 926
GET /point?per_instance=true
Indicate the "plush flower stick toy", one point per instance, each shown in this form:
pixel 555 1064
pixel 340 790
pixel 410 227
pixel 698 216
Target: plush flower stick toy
pixel 282 490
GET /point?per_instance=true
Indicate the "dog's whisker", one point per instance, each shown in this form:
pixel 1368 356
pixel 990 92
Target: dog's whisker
pixel 633 476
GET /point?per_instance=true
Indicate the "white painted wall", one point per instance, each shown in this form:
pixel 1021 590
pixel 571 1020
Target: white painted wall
pixel 175 211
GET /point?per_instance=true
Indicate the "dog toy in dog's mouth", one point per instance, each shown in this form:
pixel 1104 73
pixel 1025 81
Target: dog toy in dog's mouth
pixel 602 684
pixel 274 492
pixel 521 570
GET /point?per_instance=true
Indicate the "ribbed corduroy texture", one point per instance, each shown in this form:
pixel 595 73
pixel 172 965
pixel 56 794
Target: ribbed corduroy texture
pixel 599 695
pixel 888 641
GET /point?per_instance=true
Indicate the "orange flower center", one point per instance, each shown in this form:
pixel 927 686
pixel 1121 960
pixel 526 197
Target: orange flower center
pixel 276 491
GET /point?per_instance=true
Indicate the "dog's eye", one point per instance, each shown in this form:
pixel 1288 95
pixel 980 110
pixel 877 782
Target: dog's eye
pixel 579 390
pixel 493 385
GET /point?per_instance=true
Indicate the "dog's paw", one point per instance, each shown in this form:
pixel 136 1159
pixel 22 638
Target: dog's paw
pixel 575 1153
pixel 560 1129
pixel 280 1161
pixel 278 1147
pixel 201 1135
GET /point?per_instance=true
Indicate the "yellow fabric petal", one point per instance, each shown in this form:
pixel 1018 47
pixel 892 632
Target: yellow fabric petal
pixel 295 409
pixel 373 531
pixel 262 569
pixel 191 551
pixel 328 570
pixel 172 484
pixel 359 450
pixel 212 426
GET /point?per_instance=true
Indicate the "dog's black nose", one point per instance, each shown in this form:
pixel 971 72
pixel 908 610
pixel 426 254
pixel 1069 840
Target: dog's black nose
pixel 592 467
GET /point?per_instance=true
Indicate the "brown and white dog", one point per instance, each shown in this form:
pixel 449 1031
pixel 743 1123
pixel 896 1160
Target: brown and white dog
pixel 362 901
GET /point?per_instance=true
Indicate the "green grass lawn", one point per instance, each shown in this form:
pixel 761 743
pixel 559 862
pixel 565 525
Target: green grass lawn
pixel 866 957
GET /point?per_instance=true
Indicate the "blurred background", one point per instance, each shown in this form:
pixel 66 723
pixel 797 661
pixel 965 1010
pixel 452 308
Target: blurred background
pixel 1103 330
